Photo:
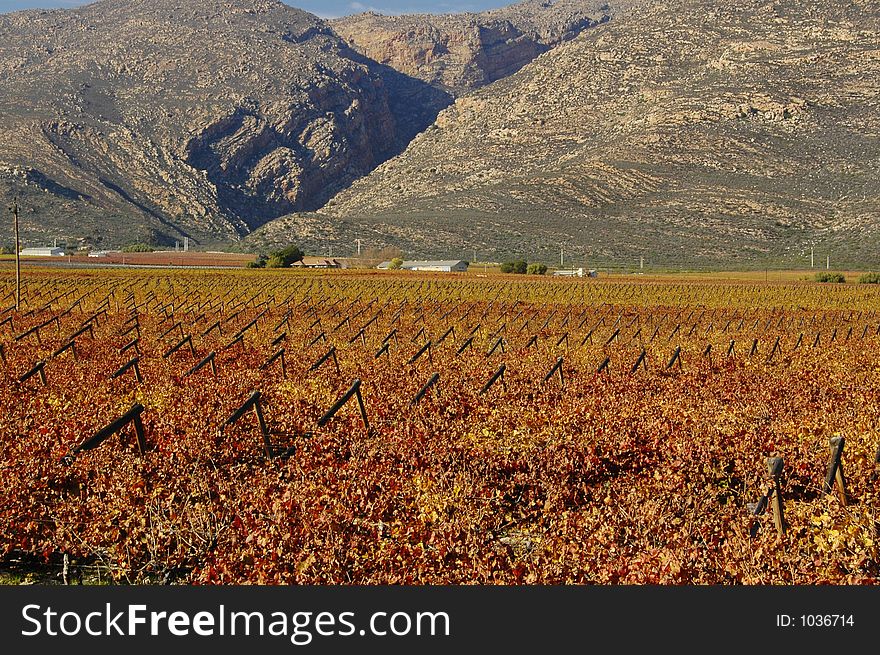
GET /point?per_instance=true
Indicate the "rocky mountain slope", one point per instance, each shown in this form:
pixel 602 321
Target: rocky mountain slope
pixel 155 119
pixel 687 132
pixel 461 52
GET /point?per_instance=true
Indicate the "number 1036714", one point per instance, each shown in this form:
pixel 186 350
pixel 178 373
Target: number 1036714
pixel 815 620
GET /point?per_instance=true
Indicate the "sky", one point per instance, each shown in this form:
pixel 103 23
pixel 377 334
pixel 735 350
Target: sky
pixel 323 8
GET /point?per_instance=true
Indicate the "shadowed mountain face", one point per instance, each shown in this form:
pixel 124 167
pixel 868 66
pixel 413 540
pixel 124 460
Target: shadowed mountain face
pixel 137 119
pixel 689 132
pixel 462 52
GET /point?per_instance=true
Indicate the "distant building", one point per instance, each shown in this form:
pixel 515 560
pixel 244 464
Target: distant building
pixel 42 252
pixel 576 272
pixel 319 262
pixel 98 253
pixel 442 266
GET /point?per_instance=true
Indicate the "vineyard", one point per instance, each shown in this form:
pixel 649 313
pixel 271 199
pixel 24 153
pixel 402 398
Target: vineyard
pixel 277 427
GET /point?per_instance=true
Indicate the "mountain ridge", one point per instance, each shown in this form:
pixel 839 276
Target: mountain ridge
pixel 204 119
pixel 685 133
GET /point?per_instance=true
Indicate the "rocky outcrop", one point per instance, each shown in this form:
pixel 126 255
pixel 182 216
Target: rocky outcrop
pixel 205 119
pixel 688 133
pixel 462 52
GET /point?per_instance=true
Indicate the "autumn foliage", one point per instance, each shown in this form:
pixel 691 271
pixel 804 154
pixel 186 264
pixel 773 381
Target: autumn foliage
pixel 628 475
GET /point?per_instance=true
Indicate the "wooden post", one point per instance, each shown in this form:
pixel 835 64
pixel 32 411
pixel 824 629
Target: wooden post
pixel 774 469
pixel 355 390
pixel 676 357
pixel 641 361
pixel 421 394
pixel 252 402
pixel 834 481
pixel 14 208
pixel 498 374
pixel 131 416
pixel 557 367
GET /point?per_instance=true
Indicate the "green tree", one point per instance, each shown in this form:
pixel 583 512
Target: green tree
pixel 537 269
pixel 516 266
pixel 285 257
pixel 396 264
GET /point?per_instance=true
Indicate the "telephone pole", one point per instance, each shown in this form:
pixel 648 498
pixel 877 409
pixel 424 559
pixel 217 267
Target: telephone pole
pixel 561 257
pixel 359 246
pixel 827 262
pixel 14 208
pixel 811 258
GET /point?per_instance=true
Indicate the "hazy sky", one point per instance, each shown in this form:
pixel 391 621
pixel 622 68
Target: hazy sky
pixel 325 8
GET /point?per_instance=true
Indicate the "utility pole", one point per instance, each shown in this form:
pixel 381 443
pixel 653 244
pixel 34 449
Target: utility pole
pixel 827 262
pixel 475 255
pixel 561 258
pixel 642 263
pixel 359 247
pixel 811 257
pixel 14 208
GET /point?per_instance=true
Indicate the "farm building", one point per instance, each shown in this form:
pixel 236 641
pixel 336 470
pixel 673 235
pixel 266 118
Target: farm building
pixel 443 266
pixel 319 262
pixel 42 252
pixel 576 272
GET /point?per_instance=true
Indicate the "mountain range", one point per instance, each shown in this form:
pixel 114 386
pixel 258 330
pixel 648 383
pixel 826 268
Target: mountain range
pixel 684 133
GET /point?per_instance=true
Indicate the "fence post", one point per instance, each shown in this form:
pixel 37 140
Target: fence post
pixel 834 481
pixel 774 469
pixel 557 367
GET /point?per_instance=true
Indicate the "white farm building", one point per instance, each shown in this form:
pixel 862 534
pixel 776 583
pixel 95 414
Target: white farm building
pixel 442 266
pixel 577 272
pixel 42 252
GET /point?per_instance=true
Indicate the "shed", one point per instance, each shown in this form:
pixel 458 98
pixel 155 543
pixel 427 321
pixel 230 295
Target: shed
pixel 442 266
pixel 42 252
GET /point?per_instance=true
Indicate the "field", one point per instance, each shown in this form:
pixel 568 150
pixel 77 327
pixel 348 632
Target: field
pixel 346 428
pixel 157 258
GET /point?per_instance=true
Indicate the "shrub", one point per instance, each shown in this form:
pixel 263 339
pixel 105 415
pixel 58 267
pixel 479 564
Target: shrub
pixel 396 264
pixel 259 262
pixel 138 247
pixel 517 266
pixel 870 278
pixel 830 277
pixel 537 269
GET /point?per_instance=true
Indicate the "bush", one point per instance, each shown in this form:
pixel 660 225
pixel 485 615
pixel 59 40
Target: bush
pixel 259 262
pixel 396 264
pixel 537 269
pixel 517 266
pixel 284 257
pixel 138 247
pixel 870 278
pixel 830 277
